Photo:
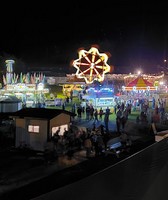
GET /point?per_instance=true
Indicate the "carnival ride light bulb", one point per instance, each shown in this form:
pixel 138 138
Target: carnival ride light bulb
pixel 139 72
pixel 92 65
pixel 40 86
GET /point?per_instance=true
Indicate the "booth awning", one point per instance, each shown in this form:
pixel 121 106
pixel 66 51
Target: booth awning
pixel 140 84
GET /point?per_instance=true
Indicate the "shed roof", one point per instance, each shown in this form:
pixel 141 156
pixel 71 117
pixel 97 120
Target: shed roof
pixel 44 113
pixel 9 99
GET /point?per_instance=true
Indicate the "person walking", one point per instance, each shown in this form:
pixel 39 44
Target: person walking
pixel 106 121
pixel 96 115
pixel 118 120
pixel 88 145
pixel 100 114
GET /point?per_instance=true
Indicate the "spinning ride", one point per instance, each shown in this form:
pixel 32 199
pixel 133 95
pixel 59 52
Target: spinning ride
pixel 140 84
pixel 91 65
pixel 29 88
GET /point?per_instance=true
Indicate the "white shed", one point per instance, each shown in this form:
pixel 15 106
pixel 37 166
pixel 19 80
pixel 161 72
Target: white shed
pixel 36 126
pixel 10 104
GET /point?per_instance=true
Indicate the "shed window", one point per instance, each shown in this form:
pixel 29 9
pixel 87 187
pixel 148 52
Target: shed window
pixel 33 129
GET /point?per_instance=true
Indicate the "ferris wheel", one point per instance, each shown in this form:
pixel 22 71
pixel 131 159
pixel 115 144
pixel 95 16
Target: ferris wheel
pixel 91 65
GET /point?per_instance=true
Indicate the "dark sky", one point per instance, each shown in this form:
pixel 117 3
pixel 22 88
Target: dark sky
pixel 48 35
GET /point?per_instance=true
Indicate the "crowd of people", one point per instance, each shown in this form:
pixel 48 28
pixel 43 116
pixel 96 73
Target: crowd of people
pixel 91 140
pixel 94 140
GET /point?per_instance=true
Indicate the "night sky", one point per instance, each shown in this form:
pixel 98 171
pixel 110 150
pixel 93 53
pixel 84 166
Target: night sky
pixel 49 35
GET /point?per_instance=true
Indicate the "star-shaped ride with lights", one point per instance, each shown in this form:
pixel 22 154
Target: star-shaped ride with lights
pixel 91 65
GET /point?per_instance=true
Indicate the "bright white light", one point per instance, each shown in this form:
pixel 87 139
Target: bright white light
pixel 40 86
pixel 139 72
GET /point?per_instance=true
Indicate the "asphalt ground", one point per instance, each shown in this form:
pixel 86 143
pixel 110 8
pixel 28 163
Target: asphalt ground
pixel 42 179
pixel 25 175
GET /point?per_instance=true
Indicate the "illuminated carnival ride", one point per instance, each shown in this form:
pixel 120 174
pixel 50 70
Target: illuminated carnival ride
pixel 92 67
pixel 29 88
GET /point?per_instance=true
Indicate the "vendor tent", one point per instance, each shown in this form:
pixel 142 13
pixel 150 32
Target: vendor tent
pixel 140 84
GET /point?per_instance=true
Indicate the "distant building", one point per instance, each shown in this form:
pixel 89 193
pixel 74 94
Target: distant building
pixel 9 104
